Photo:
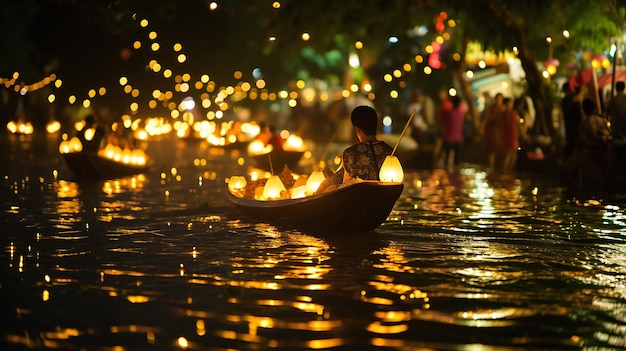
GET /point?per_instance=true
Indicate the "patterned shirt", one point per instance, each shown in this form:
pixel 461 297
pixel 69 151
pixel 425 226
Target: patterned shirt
pixel 358 161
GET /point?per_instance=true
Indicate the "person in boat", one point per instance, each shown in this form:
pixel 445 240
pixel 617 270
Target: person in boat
pixel 91 140
pixel 364 159
pixel 275 139
pixel 264 133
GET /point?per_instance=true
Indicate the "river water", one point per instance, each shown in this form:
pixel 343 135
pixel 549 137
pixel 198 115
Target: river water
pixel 161 261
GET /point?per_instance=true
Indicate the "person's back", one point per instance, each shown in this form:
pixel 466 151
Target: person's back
pixel 452 121
pixel 364 159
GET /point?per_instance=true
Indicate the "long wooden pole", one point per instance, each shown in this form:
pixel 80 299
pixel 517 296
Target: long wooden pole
pixel 408 123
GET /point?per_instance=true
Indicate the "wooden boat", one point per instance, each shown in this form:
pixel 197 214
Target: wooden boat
pixel 279 159
pixel 90 165
pixel 359 207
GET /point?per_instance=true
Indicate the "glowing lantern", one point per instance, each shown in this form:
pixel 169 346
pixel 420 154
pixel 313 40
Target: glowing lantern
pixel 314 181
pixel 53 126
pixel 138 157
pixel 126 155
pixel 64 147
pixel 236 183
pixel 391 170
pixel 75 145
pixel 12 127
pixel 298 192
pixel 90 133
pixel 273 188
pixel 294 143
pixel 256 147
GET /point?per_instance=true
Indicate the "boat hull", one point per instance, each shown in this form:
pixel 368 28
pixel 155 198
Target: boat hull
pixel 89 165
pixel 360 207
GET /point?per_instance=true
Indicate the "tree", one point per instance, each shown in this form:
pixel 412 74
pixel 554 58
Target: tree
pixel 501 25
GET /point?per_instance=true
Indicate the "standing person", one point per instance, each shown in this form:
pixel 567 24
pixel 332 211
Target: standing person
pixel 510 136
pixel 423 120
pixel 592 153
pixel 572 116
pixel 617 113
pixel 451 120
pixel 364 159
pixel 444 105
pixel 492 129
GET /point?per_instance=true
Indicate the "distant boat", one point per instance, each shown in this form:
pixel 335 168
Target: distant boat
pixel 279 159
pixel 90 165
pixel 360 207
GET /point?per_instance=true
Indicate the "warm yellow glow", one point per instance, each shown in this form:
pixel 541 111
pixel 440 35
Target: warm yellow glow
pixel 313 182
pixel 294 143
pixel 256 147
pixel 53 126
pixel 236 183
pixel 273 188
pixel 298 192
pixel 391 170
pixel 182 342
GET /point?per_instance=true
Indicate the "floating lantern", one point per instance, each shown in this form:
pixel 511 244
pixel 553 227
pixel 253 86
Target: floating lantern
pixel 236 183
pixel 64 147
pixel 126 156
pixel 294 143
pixel 273 188
pixel 75 145
pixel 53 126
pixel 298 192
pixel 315 179
pixel 256 147
pixel 138 157
pixel 391 170
pixel 90 133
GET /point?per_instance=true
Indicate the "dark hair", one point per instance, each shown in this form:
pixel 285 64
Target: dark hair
pixel 456 101
pixel 365 118
pixel 620 85
pixel 589 106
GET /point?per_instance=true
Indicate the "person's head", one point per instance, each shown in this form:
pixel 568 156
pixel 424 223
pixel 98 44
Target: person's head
pixel 589 107
pixel 620 86
pixel 499 98
pixel 508 102
pixel 456 101
pixel 566 88
pixel 365 119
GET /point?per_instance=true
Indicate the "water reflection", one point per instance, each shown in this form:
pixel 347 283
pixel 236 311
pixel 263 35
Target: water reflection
pixel 160 261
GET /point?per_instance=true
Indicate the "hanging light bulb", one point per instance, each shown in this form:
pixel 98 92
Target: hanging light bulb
pixel 391 170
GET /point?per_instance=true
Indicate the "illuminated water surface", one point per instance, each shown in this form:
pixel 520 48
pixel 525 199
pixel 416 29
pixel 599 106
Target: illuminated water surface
pixel 162 261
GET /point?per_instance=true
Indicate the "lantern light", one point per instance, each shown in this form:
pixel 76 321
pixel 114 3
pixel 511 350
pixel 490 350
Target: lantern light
pixel 314 181
pixel 391 170
pixel 298 192
pixel 273 188
pixel 236 183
